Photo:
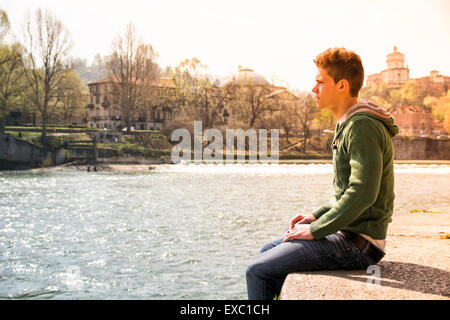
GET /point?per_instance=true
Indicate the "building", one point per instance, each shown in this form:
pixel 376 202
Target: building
pixel 435 80
pixel 104 111
pixel 395 74
pixel 414 121
pixel 246 76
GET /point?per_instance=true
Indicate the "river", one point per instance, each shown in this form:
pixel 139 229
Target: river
pixel 175 232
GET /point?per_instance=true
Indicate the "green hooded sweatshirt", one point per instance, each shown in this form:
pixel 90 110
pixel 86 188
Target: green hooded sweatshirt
pixel 363 160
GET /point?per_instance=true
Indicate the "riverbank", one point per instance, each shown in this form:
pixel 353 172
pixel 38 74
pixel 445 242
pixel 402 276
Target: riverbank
pixel 416 265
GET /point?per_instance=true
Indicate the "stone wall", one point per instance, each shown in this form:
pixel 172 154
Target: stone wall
pixel 421 148
pixel 416 266
pixel 18 154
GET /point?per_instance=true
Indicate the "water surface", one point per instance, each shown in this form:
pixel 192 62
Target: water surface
pixel 177 232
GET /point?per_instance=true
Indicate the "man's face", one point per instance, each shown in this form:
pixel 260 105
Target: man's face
pixel 325 90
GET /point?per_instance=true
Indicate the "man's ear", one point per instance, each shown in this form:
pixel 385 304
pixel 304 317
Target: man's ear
pixel 343 85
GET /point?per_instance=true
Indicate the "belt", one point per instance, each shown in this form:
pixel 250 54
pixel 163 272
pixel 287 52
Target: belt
pixel 364 245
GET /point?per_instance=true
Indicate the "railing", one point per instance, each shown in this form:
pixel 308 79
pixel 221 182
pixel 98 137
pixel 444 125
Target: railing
pixel 117 118
pixel 98 118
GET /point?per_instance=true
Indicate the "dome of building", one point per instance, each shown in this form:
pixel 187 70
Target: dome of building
pixel 248 76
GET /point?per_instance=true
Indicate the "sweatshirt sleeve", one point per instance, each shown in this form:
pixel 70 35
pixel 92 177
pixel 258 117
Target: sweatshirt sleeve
pixel 321 211
pixel 365 153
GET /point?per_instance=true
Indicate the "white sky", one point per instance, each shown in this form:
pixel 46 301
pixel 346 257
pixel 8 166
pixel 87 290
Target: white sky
pixel 275 38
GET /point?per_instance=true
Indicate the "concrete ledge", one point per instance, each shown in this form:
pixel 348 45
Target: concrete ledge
pixel 416 266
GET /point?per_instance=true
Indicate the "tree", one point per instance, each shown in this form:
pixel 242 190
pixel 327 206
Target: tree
pixel 324 119
pixel 133 69
pixel 4 24
pixel 286 116
pixel 200 97
pixel 306 109
pixel 11 80
pixel 447 120
pixel 439 106
pixel 189 80
pixel 47 44
pixel 212 101
pixel 251 101
pixel 412 93
pixel 396 98
pixel 71 100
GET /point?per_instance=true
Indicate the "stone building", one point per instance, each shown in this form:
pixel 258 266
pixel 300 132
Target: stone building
pixel 103 111
pixel 246 76
pixel 435 80
pixel 395 75
pixel 414 121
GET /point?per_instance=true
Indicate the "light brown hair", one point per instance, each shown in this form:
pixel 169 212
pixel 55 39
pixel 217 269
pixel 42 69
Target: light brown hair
pixel 341 63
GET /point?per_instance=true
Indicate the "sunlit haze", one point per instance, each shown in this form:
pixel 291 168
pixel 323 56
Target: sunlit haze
pixel 277 39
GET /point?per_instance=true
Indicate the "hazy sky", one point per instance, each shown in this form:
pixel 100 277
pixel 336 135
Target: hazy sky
pixel 277 38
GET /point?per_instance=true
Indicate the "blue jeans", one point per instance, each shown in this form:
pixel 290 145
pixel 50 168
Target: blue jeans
pixel 266 272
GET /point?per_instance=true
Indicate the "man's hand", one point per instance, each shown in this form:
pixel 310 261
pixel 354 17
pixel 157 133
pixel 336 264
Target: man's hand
pixel 299 232
pixel 301 219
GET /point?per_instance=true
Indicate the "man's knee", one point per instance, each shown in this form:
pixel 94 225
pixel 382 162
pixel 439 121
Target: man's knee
pixel 266 247
pixel 255 269
pixel 271 245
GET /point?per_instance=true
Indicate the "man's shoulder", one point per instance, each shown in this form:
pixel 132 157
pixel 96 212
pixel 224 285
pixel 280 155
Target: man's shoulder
pixel 363 122
pixel 363 128
pixel 363 117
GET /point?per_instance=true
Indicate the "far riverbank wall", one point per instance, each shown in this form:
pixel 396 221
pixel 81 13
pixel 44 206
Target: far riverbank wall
pixel 19 154
pixel 421 148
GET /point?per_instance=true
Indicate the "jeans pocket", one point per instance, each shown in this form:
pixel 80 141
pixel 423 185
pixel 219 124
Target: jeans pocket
pixel 353 264
pixel 348 258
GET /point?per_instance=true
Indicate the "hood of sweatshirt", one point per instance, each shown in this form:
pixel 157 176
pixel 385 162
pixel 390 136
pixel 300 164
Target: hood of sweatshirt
pixel 375 111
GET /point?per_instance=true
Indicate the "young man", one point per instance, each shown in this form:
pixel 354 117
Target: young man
pixel 350 231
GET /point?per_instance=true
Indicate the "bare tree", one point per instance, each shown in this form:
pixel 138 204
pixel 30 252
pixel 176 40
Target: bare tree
pixel 5 27
pixel 286 117
pixel 211 103
pixel 251 101
pixel 133 69
pixel 47 44
pixel 4 24
pixel 306 109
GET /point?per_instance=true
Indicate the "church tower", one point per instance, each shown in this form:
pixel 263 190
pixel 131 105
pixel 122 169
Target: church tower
pixel 396 73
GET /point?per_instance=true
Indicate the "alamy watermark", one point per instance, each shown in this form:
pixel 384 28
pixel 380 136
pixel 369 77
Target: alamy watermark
pixel 375 280
pixel 235 145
